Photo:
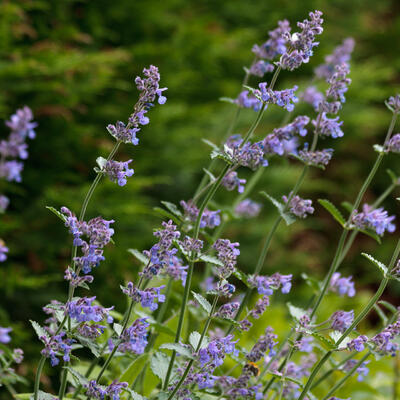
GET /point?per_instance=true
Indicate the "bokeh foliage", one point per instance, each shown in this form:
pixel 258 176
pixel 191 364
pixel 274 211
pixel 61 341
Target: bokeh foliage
pixel 73 62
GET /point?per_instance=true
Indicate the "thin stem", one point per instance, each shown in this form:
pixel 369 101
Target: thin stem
pixel 37 377
pixel 346 377
pixel 63 384
pixel 203 333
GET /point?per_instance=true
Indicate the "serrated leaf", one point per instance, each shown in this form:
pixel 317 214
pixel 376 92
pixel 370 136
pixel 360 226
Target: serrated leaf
pixel 333 211
pixel 159 365
pixel 165 213
pixel 216 153
pixel 172 207
pixel 336 335
pixel 44 396
pixel 101 162
pixel 58 213
pixel 203 302
pixel 280 207
pixel 90 344
pixel 139 255
pixel 327 343
pixel 134 395
pixel 377 263
pixel 194 339
pixel 296 312
pixel 134 369
pixel 38 329
pixel 241 276
pixel 211 260
pixel 182 350
pixel 79 378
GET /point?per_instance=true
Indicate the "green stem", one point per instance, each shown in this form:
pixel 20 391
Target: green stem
pixel 203 333
pixel 347 376
pixel 63 384
pixel 356 321
pixel 37 377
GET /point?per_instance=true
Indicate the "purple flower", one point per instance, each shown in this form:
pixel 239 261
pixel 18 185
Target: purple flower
pixel 176 270
pixel 282 98
pixel 342 285
pixel 82 310
pixel 362 370
pixel 118 171
pixel 341 320
pixel 76 280
pixel 265 343
pixel 260 307
pixel 260 68
pixel 393 103
pixel 149 297
pixel 227 310
pixel 134 338
pixel 358 344
pixel 93 389
pixel 216 350
pixel 11 170
pixel 21 123
pixel 247 100
pixel 302 42
pixel 224 289
pixel 306 344
pixel 276 43
pixel 227 253
pixel 91 331
pixel 383 340
pixel 4 335
pixel 209 219
pixel 317 158
pixel 338 83
pixel 341 54
pixel 4 202
pixel 329 127
pixel 248 209
pixel 124 133
pixel 267 284
pixel 3 251
pixel 191 245
pixel 298 206
pixel 55 345
pixel 231 181
pixel 312 96
pixel 377 220
pixel 394 143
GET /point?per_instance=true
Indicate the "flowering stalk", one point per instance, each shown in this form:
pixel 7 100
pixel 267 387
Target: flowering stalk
pixel 356 321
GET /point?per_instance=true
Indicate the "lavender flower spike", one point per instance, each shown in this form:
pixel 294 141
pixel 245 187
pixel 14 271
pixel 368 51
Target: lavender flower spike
pixel 118 171
pixel 299 207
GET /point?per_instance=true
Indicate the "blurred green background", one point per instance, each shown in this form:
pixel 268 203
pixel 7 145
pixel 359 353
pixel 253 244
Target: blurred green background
pixel 73 63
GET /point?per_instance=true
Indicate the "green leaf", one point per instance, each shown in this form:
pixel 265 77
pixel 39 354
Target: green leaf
pixel 389 306
pixel 347 206
pixel 203 302
pixel 377 263
pixel 212 260
pixel 172 207
pixel 241 276
pixel 209 174
pixel 378 148
pixel 118 328
pixel 56 212
pixel 296 312
pixel 134 395
pixel 211 144
pixel 167 214
pixel 194 339
pixel 280 207
pixel 327 343
pixel 44 396
pixel 333 211
pixel 227 100
pixel 101 162
pixel 79 378
pixel 139 255
pixel 159 365
pixel 392 176
pixel 370 233
pixel 336 335
pixel 134 369
pixel 38 329
pixel 90 344
pixel 182 350
pixel 23 396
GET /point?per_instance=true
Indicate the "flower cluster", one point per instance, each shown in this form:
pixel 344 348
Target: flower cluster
pixel 209 219
pixel 267 284
pixel 393 103
pixel 383 341
pixel 248 209
pixel 301 44
pixel 149 297
pixel 149 89
pixel 82 310
pixel 56 345
pixel 216 350
pixel 98 232
pixel 377 220
pixel 161 253
pixel 341 285
pixel 394 143
pixel 298 206
pixel 96 391
pixel 362 370
pixel 118 171
pixel 231 181
pixel 265 343
pixel 134 338
pixel 317 158
pixel 358 343
pixel 227 253
pixel 341 320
